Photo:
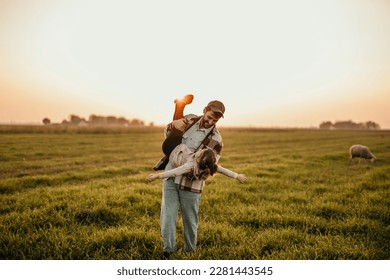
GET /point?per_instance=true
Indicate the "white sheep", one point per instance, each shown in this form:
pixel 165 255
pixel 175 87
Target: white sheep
pixel 361 151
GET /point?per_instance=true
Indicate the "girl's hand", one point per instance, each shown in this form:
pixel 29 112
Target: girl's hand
pixel 151 178
pixel 241 178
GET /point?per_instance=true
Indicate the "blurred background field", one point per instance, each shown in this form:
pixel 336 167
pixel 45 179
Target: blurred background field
pixel 81 194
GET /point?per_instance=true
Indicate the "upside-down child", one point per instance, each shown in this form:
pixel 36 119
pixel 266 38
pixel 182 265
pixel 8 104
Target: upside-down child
pixel 196 165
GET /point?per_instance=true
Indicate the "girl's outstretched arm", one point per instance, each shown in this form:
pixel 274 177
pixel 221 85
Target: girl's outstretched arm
pixel 152 177
pixel 240 177
pixel 185 168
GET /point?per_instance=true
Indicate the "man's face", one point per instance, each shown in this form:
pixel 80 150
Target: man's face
pixel 209 119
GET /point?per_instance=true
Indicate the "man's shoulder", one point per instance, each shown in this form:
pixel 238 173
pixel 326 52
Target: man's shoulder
pixel 192 117
pixel 217 135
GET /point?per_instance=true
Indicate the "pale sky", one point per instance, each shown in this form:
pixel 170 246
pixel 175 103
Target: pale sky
pixel 273 63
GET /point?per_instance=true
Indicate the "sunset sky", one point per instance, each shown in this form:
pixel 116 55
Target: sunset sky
pixel 273 63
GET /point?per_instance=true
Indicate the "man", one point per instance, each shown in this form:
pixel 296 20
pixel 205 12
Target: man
pixel 183 191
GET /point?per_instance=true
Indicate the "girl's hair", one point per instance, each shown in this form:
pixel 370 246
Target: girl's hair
pixel 207 164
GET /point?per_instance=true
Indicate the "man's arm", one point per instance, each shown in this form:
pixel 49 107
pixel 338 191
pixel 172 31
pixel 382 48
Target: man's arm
pixel 180 124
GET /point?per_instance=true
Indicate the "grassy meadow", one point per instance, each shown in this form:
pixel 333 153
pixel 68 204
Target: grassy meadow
pixel 82 195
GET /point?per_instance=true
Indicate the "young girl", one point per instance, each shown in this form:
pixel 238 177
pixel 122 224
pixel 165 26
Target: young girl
pixel 196 165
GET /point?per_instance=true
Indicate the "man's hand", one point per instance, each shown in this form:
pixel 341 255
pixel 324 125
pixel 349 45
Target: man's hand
pixel 180 124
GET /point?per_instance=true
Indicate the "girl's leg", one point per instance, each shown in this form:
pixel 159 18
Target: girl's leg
pixel 180 104
pixel 174 138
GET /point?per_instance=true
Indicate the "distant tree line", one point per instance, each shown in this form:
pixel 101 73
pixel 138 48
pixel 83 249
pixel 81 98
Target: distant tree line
pixel 349 125
pixel 96 120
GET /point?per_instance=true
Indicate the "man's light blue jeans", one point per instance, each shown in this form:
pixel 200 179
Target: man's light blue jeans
pixel 173 198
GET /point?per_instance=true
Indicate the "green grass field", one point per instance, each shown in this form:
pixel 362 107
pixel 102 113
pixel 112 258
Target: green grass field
pixel 82 195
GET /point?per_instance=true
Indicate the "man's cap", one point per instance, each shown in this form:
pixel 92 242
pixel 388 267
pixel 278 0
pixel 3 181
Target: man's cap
pixel 217 107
